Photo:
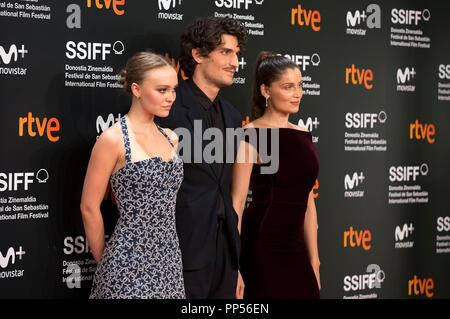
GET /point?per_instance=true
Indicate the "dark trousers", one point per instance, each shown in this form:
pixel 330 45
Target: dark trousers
pixel 218 279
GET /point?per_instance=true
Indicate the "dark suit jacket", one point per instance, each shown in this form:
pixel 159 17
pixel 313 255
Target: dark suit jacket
pixel 198 200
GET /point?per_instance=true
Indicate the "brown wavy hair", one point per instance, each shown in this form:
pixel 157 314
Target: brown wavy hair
pixel 205 34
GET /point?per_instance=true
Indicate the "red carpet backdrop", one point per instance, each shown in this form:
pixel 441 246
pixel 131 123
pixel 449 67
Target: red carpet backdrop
pixel 376 97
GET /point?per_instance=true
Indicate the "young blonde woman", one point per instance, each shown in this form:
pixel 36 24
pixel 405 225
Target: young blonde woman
pixel 142 259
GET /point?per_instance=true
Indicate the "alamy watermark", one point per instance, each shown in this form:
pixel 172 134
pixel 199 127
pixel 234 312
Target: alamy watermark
pixel 194 150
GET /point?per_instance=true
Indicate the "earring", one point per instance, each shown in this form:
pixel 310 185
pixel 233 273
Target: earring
pixel 267 99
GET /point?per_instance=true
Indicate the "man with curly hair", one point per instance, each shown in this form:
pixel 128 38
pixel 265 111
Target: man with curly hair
pixel 206 221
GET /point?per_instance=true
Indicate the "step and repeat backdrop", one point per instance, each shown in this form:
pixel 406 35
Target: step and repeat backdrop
pixel 376 97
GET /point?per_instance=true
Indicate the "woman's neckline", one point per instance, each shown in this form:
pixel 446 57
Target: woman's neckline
pixel 284 128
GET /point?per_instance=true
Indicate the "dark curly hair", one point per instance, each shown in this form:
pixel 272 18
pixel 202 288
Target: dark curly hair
pixel 205 34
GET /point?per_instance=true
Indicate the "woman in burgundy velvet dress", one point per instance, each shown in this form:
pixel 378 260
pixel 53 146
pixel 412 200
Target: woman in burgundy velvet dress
pixel 279 254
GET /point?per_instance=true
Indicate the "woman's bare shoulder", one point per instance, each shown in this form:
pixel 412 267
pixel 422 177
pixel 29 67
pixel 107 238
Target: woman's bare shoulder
pixel 298 127
pixel 171 134
pixel 111 137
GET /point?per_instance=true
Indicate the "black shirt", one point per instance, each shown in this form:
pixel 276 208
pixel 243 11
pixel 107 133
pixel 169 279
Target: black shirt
pixel 214 118
pixel 213 114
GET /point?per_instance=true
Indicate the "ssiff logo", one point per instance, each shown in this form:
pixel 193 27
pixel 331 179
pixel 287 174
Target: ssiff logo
pixel 306 18
pixel 236 4
pixel 15 181
pixel 92 50
pixel 443 224
pixel 407 173
pixel 304 61
pixel 406 16
pixel 372 279
pixel 444 71
pixel 364 120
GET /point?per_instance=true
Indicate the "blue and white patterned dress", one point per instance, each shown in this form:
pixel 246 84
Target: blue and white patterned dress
pixel 142 259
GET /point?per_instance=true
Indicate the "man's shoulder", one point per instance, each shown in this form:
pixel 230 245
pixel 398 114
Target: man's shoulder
pixel 229 108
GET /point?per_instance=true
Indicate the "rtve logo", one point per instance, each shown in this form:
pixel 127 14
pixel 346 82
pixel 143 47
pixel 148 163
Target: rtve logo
pixel 304 60
pixel 405 16
pixel 11 181
pixel 10 256
pixel 359 76
pixel 354 238
pixel 92 50
pixel 363 120
pixel 47 126
pixel 316 189
pixel 12 54
pixel 116 5
pixel 404 232
pixel 234 4
pixel 444 71
pixel 372 19
pixel 310 123
pixel 417 286
pixel 443 223
pixel 407 173
pixel 421 131
pixel 308 18
pixel 177 66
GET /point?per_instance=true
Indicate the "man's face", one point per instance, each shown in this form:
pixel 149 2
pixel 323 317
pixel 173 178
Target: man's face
pixel 219 66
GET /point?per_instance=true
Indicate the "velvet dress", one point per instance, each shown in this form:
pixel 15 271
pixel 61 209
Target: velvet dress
pixel 274 259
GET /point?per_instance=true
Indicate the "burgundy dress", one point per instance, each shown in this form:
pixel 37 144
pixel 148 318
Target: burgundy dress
pixel 274 258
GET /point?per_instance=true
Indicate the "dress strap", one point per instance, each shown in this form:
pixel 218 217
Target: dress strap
pixel 164 133
pixel 126 139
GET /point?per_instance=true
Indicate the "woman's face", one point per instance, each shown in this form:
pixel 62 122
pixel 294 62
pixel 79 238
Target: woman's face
pixel 156 92
pixel 285 93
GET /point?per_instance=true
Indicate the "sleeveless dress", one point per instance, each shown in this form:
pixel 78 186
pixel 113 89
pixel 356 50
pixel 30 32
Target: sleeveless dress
pixel 142 259
pixel 274 258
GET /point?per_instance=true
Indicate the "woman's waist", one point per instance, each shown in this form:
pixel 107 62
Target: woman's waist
pixel 289 195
